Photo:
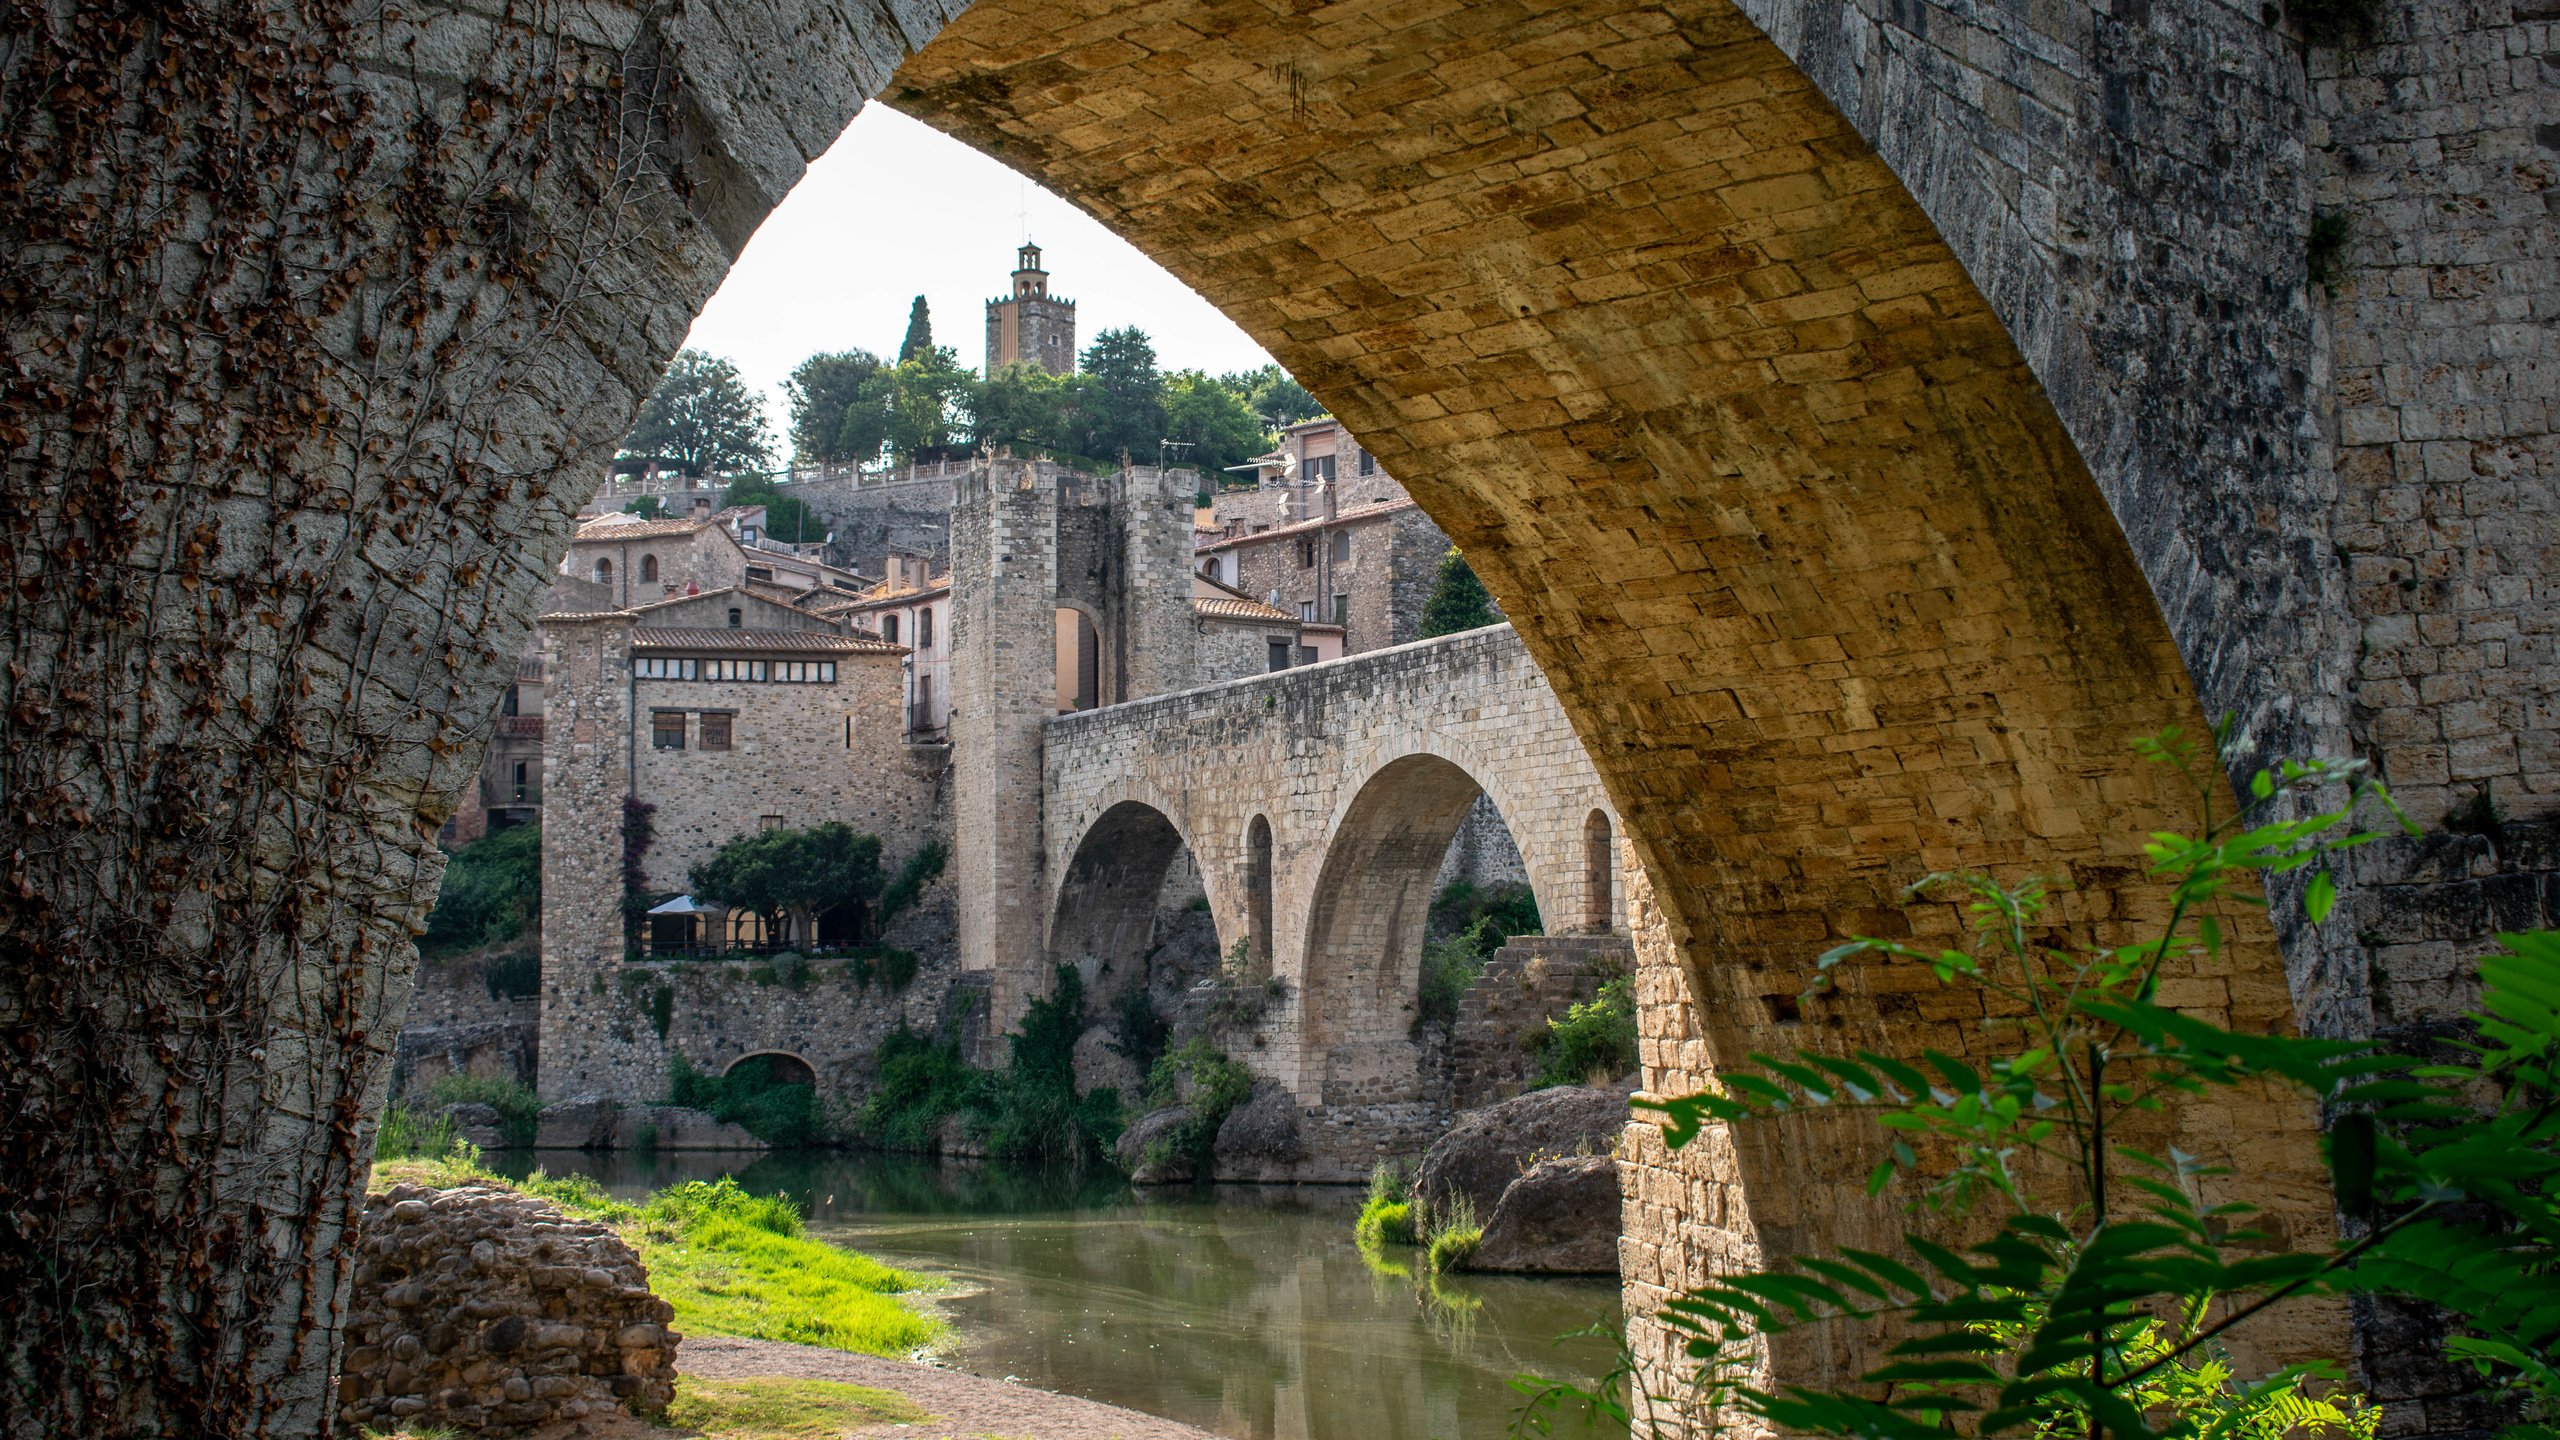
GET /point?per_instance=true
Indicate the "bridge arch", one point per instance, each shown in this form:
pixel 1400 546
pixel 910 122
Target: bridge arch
pixel 1359 967
pixel 782 1067
pixel 1102 920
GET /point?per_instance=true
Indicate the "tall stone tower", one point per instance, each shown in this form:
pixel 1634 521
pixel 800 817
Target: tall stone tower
pixel 1031 325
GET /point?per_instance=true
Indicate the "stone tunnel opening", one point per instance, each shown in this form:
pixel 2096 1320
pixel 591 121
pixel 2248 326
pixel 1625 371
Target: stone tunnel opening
pixel 1133 918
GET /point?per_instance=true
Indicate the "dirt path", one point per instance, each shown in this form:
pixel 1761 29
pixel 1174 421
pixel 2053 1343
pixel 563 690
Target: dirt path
pixel 964 1407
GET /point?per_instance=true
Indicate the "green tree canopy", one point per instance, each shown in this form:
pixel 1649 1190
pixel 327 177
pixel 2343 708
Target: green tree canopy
pixel 1274 398
pixel 1021 407
pixel 1213 419
pixel 1458 599
pixel 703 418
pixel 920 405
pixel 821 390
pixel 786 517
pixel 780 872
pixel 919 342
pixel 1121 399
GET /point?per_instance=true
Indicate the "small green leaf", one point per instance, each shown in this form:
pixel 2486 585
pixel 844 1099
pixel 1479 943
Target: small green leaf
pixel 2321 898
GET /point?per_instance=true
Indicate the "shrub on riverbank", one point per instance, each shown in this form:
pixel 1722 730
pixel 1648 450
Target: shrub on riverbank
pixel 1199 1076
pixel 1593 1038
pixel 1027 1113
pixel 1454 1236
pixel 782 1113
pixel 517 1106
pixel 731 1263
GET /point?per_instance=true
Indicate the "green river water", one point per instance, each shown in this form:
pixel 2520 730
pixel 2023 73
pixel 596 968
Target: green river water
pixel 1245 1310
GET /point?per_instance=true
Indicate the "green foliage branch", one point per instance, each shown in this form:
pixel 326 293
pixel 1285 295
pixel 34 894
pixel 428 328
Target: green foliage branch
pixel 780 872
pixel 1593 1037
pixel 2104 1313
pixel 703 417
pixel 491 887
pixel 1458 600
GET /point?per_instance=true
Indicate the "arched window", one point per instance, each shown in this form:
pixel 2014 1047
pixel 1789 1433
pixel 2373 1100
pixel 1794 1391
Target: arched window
pixel 1598 872
pixel 604 571
pixel 737 618
pixel 1257 894
pixel 924 628
pixel 889 628
pixel 648 568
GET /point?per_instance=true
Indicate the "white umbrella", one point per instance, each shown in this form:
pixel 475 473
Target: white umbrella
pixel 684 905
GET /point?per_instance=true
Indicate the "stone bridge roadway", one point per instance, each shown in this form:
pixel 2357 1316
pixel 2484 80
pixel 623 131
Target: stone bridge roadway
pixel 1317 803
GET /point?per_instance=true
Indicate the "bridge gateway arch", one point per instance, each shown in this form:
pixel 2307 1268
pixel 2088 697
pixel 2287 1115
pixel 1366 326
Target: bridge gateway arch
pixel 1873 419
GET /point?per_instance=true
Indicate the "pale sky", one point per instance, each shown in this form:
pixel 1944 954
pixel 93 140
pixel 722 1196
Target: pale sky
pixel 897 209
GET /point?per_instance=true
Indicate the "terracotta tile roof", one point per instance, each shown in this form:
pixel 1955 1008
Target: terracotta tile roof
pixel 572 616
pixel 1224 609
pixel 1357 514
pixel 885 599
pixel 808 642
pixel 608 527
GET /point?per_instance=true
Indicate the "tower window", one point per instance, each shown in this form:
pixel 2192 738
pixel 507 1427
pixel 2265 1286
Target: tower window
pixel 737 618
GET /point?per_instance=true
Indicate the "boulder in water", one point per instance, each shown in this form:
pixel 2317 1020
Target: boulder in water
pixel 1149 1151
pixel 1260 1139
pixel 1489 1148
pixel 1561 1218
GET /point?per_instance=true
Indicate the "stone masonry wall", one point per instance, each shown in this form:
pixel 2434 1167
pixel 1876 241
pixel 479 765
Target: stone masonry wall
pixel 869 519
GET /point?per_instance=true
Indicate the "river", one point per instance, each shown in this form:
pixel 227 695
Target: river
pixel 1245 1310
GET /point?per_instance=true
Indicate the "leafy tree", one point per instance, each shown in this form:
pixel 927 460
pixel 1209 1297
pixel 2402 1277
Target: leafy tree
pixel 647 507
pixel 703 418
pixel 1458 600
pixel 2097 1302
pixel 1214 420
pixel 491 887
pixel 1021 407
pixel 780 873
pixel 1122 397
pixel 919 342
pixel 821 390
pixel 922 405
pixel 786 516
pixel 1274 398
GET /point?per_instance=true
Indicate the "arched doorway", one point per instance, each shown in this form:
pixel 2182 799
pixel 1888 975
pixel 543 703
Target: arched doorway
pixel 765 1068
pixel 1079 662
pixel 1599 874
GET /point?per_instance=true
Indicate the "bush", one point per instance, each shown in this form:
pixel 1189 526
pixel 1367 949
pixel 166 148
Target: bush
pixel 491 886
pixel 1450 966
pixel 1141 1033
pixel 921 1083
pixel 517 1106
pixel 782 1113
pixel 1030 1113
pixel 1217 1085
pixel 1594 1037
pixel 1386 1217
pixel 1466 926
pixel 919 870
pixel 1454 1233
pixel 406 1135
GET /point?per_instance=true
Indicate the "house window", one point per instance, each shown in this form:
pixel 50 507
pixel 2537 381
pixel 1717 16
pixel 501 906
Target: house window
pixel 520 780
pixel 1306 654
pixel 648 568
pixel 655 667
pixel 768 822
pixel 508 702
pixel 760 572
pixel 1306 612
pixel 848 730
pixel 737 618
pixel 1342 547
pixel 1306 552
pixel 1368 463
pixel 889 628
pixel 749 534
pixel 1279 654
pixel 924 628
pixel 1315 468
pixel 666 730
pixel 1342 610
pixel 604 571
pixel 715 729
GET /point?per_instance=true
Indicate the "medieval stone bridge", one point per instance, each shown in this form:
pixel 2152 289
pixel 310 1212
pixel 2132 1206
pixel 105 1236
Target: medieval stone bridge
pixel 1317 803
pixel 1873 415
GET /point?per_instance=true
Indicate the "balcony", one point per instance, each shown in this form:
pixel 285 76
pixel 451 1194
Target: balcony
pixel 529 670
pixel 526 727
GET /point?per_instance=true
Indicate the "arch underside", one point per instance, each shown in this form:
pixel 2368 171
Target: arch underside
pixel 1659 340
pixel 1362 971
pixel 1105 915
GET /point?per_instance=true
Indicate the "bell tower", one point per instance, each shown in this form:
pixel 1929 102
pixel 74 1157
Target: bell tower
pixel 1031 325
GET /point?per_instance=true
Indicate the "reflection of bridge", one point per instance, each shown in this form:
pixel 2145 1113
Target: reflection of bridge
pixel 1318 803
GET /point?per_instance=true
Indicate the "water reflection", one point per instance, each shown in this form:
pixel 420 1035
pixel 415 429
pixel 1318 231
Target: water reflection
pixel 1242 1309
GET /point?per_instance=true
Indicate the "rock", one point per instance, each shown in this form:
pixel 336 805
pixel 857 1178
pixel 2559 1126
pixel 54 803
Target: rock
pixel 478 1124
pixel 582 1122
pixel 1101 1066
pixel 1488 1149
pixel 673 1127
pixel 1155 1132
pixel 1561 1218
pixel 477 1304
pixel 1261 1139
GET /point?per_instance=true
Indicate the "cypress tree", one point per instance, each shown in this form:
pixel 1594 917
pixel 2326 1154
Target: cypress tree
pixel 919 342
pixel 1458 599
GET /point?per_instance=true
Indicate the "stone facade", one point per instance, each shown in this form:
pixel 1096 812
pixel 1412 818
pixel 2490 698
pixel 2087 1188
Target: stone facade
pixel 1366 572
pixel 640 561
pixel 1031 326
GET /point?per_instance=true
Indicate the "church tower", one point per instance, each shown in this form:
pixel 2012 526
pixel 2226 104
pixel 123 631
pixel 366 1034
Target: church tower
pixel 1031 325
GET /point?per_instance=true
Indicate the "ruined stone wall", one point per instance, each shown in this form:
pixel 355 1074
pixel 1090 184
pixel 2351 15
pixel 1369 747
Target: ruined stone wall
pixel 1299 748
pixel 869 519
pixel 1483 854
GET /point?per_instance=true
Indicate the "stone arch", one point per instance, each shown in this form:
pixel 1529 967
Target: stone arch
pixel 1258 882
pixel 1103 919
pixel 782 1066
pixel 1360 971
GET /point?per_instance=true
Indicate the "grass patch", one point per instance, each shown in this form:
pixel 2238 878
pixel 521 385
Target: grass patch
pixel 1386 1218
pixel 777 1409
pixel 517 1106
pixel 1455 1234
pixel 731 1263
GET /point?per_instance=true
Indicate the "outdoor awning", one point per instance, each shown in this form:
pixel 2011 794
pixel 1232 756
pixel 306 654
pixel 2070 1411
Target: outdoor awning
pixel 684 905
